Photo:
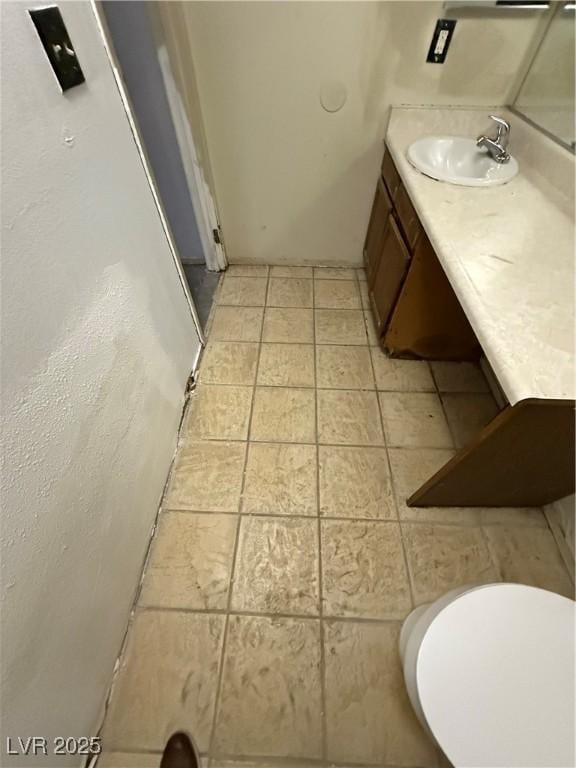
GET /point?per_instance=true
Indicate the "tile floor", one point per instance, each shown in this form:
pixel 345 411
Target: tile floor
pixel 285 557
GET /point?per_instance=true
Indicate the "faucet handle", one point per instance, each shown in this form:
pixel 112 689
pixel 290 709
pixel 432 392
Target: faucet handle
pixel 503 129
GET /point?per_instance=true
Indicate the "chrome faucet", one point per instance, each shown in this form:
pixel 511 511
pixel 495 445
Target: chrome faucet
pixel 497 145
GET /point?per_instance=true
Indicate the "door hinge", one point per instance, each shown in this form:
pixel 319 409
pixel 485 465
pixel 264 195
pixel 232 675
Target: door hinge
pixel 216 235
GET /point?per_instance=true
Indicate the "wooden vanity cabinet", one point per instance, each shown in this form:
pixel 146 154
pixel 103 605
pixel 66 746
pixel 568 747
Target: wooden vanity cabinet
pixel 415 309
pixel 390 274
pixel 376 230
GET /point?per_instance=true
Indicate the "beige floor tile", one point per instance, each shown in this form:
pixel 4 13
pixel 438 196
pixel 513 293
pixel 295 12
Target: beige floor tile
pixel 348 417
pixel 270 701
pixel 517 516
pixel 207 477
pixel 361 274
pixel 411 467
pixel 334 273
pixel 336 294
pixel 414 420
pixel 228 362
pixel 344 367
pixel 243 291
pixel 459 377
pixel 191 561
pixel 247 270
pixel 219 412
pixel 285 324
pixel 369 718
pixel 370 328
pixel 236 324
pixel 283 415
pixel 289 292
pixel 355 482
pixel 129 760
pixel 286 365
pixel 401 375
pixel 277 566
pixel 291 272
pixel 280 480
pixel 442 557
pixel 529 556
pixel 334 326
pixel 167 680
pixel 468 414
pixel 363 570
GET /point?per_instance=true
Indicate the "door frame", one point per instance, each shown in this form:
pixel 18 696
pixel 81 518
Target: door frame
pixel 117 74
pixel 200 194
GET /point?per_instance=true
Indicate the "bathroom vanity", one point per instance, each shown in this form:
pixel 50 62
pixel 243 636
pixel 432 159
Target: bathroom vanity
pixel 456 272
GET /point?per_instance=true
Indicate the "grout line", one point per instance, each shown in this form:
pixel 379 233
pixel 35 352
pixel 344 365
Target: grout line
pixel 208 440
pixel 293 306
pixel 448 424
pixel 323 725
pixel 394 494
pixel 310 617
pixel 475 521
pixel 347 388
pixel 236 546
pixel 299 762
pixel 491 555
pixel 393 446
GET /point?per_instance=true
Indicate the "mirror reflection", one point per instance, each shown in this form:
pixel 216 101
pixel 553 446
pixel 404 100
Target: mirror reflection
pixel 546 96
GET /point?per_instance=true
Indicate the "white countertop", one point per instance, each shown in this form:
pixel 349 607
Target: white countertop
pixel 508 251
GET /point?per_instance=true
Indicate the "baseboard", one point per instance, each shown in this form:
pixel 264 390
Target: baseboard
pixel 300 263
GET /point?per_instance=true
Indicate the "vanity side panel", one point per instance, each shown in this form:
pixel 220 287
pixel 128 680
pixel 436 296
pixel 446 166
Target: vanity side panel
pixel 523 458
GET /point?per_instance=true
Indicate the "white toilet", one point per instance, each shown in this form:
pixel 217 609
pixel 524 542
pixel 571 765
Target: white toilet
pixel 490 674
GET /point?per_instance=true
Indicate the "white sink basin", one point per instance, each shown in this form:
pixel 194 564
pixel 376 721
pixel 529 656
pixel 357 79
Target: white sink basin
pixel 459 161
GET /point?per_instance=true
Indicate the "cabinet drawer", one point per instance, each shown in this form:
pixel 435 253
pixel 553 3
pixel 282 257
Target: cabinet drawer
pixel 390 174
pixel 389 278
pixel 407 216
pixel 376 230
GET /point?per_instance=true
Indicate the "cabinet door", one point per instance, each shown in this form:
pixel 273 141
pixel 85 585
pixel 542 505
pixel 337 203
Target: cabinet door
pixel 394 262
pixel 407 216
pixel 390 174
pixel 376 231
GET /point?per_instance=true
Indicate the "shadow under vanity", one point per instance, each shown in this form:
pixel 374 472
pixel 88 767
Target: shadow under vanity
pixel 461 273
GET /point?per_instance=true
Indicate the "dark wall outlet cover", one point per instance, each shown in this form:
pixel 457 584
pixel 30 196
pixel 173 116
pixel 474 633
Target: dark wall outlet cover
pixel 441 41
pixel 58 46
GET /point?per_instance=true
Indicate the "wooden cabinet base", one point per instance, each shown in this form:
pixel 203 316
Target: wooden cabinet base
pixel 428 321
pixel 523 458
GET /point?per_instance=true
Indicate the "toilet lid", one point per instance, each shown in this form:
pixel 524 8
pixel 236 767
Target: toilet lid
pixel 495 676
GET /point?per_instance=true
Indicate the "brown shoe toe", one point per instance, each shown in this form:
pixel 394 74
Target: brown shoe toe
pixel 179 753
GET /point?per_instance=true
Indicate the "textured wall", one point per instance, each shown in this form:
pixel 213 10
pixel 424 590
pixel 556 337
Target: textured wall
pixel 97 345
pixel 294 183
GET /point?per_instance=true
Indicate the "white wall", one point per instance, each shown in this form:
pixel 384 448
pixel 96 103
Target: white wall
pixel 294 183
pixel 97 345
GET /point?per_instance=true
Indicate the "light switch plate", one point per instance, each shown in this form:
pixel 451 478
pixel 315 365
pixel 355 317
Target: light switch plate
pixel 58 46
pixel 441 41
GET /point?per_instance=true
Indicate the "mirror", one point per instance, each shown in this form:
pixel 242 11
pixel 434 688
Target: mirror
pixel 546 96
